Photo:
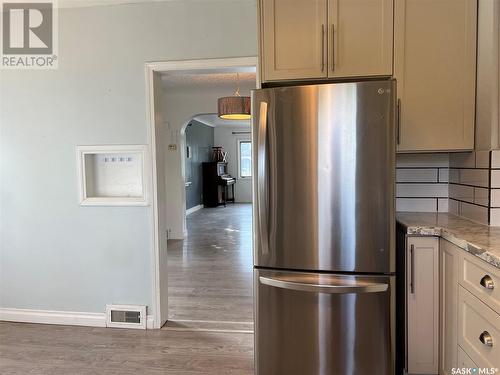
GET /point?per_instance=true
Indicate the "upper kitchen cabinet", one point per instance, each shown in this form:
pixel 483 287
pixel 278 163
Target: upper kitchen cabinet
pixel 435 66
pixel 293 39
pixel 316 39
pixel 360 40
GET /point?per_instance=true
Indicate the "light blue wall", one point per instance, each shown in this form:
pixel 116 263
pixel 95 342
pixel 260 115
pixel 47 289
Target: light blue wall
pixel 55 254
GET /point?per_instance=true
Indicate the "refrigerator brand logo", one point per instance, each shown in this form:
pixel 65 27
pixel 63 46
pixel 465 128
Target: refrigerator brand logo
pixel 29 34
pixel 474 371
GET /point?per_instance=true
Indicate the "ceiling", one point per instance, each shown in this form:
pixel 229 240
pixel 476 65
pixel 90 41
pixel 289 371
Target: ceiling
pixel 94 3
pixel 208 82
pixel 211 119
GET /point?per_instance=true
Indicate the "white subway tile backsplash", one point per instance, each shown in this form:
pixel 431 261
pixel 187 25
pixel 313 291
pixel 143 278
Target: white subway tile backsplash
pixel 417 175
pixel 495 159
pixel 444 175
pixel 481 196
pixel 473 212
pixel 458 183
pixel 461 193
pixel 482 159
pixel 495 198
pixel 422 182
pixel 495 217
pixel 443 205
pixel 454 207
pixel 474 177
pixel 454 176
pixel 416 204
pixel 422 160
pixel 462 160
pixel 422 190
pixel 495 178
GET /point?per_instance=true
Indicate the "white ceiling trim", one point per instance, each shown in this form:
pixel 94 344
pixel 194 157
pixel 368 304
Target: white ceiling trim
pixel 97 3
pixel 226 81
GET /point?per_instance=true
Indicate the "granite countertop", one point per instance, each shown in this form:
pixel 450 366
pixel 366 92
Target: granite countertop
pixel 478 239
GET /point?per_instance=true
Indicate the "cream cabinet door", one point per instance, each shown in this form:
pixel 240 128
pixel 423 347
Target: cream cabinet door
pixel 449 261
pixel 422 305
pixel 293 39
pixel 360 39
pixel 435 66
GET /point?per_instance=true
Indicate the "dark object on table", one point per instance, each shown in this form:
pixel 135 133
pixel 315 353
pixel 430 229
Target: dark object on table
pixel 218 154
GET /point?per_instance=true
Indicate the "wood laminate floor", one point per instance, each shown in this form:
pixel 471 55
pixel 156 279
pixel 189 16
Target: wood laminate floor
pixel 210 272
pixel 210 298
pixel 63 350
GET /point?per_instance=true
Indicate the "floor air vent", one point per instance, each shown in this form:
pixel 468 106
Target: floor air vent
pixel 126 316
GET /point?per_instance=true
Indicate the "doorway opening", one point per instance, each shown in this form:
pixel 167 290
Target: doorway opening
pixel 204 280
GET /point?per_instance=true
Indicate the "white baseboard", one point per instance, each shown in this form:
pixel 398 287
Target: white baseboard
pixel 150 322
pixel 69 318
pixel 53 317
pixel 194 209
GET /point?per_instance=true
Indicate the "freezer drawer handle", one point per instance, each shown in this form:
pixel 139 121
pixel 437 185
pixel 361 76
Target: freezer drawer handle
pixel 318 288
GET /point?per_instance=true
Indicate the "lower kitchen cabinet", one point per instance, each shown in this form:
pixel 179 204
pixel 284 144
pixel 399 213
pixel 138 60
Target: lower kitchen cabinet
pixel 449 255
pixel 478 330
pixel 469 311
pixel 422 281
pixel 452 309
pixel 479 311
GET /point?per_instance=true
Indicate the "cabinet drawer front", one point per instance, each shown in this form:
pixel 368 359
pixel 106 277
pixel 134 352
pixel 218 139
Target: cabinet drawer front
pixel 464 361
pixel 477 323
pixel 481 280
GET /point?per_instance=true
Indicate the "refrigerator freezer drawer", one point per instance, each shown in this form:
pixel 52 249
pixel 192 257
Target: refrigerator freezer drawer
pixel 323 324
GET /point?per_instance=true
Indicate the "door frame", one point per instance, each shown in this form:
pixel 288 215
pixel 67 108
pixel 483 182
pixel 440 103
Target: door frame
pixel 160 317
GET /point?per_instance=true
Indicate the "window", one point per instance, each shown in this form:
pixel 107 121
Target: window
pixel 245 159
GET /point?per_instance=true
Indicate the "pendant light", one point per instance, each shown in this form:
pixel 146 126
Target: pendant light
pixel 234 107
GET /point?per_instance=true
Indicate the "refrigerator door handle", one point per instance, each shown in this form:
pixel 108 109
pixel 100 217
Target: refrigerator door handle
pixel 262 178
pixel 319 288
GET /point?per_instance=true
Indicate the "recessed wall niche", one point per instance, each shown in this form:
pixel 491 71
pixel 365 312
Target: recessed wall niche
pixel 112 175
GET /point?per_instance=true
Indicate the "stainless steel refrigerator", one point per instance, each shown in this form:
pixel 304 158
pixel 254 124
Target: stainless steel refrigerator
pixel 324 237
